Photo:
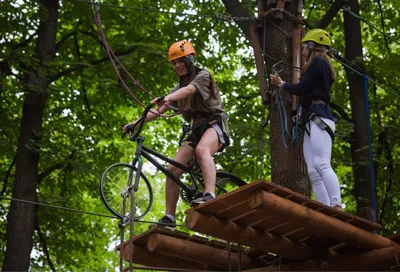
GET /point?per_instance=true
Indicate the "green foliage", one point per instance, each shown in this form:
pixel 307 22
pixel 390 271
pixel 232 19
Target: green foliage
pixel 86 110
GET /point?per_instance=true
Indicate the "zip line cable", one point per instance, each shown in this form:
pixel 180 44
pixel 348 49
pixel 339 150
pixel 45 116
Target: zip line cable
pixel 57 207
pixel 340 59
pixel 374 79
pixel 347 9
pixel 75 210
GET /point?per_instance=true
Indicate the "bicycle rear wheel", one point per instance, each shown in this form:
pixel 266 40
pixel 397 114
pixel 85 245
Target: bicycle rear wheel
pixel 114 183
pixel 227 182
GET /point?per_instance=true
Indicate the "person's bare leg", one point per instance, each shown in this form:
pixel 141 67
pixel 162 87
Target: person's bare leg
pixel 206 148
pixel 182 156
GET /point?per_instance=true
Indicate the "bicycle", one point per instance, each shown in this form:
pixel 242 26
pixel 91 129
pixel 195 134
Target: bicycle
pixel 118 180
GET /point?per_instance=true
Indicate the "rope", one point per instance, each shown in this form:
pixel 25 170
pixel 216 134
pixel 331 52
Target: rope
pixel 113 57
pixel 80 211
pixel 338 58
pixel 370 147
pixel 57 207
pixel 347 9
pixel 284 122
pixel 279 259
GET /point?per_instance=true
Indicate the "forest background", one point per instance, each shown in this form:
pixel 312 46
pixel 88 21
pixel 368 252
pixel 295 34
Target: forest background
pixel 62 102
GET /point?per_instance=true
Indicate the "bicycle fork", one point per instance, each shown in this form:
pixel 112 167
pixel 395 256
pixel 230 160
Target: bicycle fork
pixel 130 192
pixel 125 194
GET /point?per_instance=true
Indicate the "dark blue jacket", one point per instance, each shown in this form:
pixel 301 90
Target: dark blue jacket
pixel 315 83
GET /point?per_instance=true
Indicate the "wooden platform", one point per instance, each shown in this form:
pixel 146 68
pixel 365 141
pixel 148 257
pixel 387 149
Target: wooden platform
pixel 161 247
pixel 280 229
pixel 274 219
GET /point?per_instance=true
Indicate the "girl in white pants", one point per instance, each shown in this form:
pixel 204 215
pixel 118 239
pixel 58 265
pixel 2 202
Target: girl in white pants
pixel 317 149
pixel 314 89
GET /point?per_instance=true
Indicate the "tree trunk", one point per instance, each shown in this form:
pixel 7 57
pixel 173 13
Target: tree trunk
pixel 359 145
pixel 21 216
pixel 287 164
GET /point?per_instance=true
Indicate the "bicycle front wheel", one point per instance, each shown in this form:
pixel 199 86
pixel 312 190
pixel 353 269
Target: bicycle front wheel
pixel 227 182
pixel 114 185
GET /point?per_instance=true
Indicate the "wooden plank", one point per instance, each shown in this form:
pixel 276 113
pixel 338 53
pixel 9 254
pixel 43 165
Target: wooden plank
pixel 243 235
pixel 203 254
pixel 319 222
pixel 300 234
pixel 287 227
pixel 269 223
pixel 224 204
pixel 230 199
pixel 378 259
pixel 234 210
pixel 198 239
pixel 141 255
pixel 322 241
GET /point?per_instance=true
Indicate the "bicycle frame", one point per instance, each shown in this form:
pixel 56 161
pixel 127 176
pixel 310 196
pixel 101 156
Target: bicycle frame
pixel 146 152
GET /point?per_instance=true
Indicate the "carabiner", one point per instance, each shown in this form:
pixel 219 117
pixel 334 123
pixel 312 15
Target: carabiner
pixel 95 8
pixel 275 68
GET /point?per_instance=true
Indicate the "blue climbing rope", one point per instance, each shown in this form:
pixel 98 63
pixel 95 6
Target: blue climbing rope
pixel 292 135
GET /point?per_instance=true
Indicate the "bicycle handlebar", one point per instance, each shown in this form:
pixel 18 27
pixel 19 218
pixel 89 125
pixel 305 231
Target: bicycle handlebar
pixel 131 128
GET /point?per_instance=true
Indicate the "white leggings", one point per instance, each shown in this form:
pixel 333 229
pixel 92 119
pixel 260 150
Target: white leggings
pixel 317 148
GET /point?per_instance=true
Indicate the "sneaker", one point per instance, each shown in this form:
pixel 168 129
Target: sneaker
pixel 164 222
pixel 206 197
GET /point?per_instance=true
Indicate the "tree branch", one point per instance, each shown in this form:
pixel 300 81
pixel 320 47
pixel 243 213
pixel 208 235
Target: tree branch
pixel 55 167
pixel 49 170
pixel 8 175
pixel 389 157
pixel 92 63
pixel 236 9
pixel 311 9
pixel 64 39
pixel 383 25
pixel 44 244
pixel 78 53
pixel 330 14
pixel 93 36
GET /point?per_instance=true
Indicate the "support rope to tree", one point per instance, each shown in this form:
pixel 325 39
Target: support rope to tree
pixel 347 9
pixel 371 161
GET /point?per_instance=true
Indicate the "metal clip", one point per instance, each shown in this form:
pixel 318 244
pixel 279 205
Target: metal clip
pixel 277 67
pixel 95 8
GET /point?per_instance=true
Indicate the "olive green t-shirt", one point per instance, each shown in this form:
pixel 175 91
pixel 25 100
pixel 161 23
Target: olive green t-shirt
pixel 206 100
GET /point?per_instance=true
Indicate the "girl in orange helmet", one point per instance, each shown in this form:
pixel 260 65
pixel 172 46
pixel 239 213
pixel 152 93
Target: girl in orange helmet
pixel 197 94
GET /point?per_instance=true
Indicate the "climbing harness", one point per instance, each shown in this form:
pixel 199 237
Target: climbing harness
pixel 308 116
pixel 200 123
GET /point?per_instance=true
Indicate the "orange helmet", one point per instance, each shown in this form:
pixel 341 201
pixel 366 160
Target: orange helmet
pixel 180 49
